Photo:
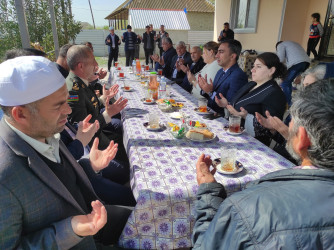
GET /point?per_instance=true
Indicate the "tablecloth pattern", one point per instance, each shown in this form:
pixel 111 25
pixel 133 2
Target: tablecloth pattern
pixel 163 169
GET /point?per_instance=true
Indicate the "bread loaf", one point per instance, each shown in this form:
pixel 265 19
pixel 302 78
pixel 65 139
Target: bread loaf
pixel 199 134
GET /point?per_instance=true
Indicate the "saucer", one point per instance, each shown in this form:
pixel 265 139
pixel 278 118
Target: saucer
pixel 209 111
pixel 147 126
pixel 216 164
pixel 152 101
pixel 130 90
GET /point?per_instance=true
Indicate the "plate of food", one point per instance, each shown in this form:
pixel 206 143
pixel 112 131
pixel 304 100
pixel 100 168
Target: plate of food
pixel 147 101
pixel 200 135
pixel 203 111
pixel 154 128
pixel 227 169
pixel 234 131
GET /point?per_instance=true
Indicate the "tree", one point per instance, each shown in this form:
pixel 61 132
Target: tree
pixel 39 24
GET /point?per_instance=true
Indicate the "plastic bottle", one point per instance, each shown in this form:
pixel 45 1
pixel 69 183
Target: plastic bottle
pixel 162 88
pixel 154 85
pixel 138 67
pixel 133 66
pixel 110 79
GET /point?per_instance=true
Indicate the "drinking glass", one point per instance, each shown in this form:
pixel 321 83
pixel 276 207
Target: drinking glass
pixel 202 105
pixel 126 85
pixel 228 158
pixel 154 120
pixel 234 124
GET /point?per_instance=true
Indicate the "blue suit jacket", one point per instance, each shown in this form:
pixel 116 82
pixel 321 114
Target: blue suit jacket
pixel 36 208
pixel 228 84
pixel 168 56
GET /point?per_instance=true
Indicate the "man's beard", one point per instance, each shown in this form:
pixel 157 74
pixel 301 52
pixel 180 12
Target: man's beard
pixel 290 150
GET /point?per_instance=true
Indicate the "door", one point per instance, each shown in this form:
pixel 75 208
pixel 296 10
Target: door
pixel 327 42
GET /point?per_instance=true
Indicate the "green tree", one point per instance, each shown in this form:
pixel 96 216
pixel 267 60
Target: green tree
pixel 39 24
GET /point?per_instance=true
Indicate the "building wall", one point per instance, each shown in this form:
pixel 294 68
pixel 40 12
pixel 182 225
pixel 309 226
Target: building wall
pixel 201 21
pixel 296 23
pixel 268 24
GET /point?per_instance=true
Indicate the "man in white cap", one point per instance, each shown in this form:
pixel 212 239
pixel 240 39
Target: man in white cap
pixel 47 201
pixel 113 42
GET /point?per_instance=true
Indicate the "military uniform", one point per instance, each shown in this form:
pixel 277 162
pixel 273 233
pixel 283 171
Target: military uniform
pixel 83 102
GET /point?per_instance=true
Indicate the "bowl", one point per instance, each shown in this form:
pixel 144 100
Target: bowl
pixel 176 133
pixel 164 107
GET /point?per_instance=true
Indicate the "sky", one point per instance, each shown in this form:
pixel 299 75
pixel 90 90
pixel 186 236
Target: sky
pixel 101 9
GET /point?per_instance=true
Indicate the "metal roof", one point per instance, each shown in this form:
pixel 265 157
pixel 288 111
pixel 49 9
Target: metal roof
pixel 172 19
pixel 190 5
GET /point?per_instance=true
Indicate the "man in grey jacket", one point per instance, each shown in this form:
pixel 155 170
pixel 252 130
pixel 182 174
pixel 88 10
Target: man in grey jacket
pixel 287 209
pixel 47 201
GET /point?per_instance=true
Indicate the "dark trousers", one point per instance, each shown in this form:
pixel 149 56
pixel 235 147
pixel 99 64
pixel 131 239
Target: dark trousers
pixel 113 56
pixel 311 44
pixel 293 72
pixel 108 184
pixel 130 55
pixel 116 221
pixel 148 53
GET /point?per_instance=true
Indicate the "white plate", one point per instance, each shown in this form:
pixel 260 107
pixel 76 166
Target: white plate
pixel 130 90
pixel 145 102
pixel 147 126
pixel 175 115
pixel 216 163
pixel 209 111
pixel 233 133
pixel 205 140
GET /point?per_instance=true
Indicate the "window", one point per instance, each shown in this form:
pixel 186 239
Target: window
pixel 244 16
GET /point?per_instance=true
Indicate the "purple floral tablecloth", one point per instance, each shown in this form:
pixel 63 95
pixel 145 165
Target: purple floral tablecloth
pixel 163 169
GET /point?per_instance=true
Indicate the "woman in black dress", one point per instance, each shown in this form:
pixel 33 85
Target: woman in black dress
pixel 259 95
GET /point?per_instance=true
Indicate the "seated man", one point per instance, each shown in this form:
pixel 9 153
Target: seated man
pixel 46 197
pixel 84 101
pixel 182 58
pixel 290 207
pixel 196 66
pixel 165 61
pixel 229 79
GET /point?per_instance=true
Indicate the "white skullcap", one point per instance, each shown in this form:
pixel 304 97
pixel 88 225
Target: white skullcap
pixel 111 28
pixel 27 79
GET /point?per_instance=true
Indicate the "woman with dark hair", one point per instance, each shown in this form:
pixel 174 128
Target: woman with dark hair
pixel 260 95
pixel 316 32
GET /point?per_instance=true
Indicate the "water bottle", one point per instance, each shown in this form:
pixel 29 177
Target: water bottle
pixel 162 88
pixel 134 66
pixel 110 79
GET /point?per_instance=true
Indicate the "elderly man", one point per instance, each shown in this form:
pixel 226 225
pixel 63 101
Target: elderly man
pixel 113 41
pixel 165 61
pixel 297 61
pixel 182 58
pixel 229 79
pixel 195 67
pixel 161 35
pixel 290 208
pixel 84 101
pixel 46 198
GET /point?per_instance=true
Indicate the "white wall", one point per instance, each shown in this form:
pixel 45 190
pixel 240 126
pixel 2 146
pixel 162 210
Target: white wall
pixel 97 37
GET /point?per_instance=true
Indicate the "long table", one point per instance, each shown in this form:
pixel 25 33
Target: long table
pixel 163 171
